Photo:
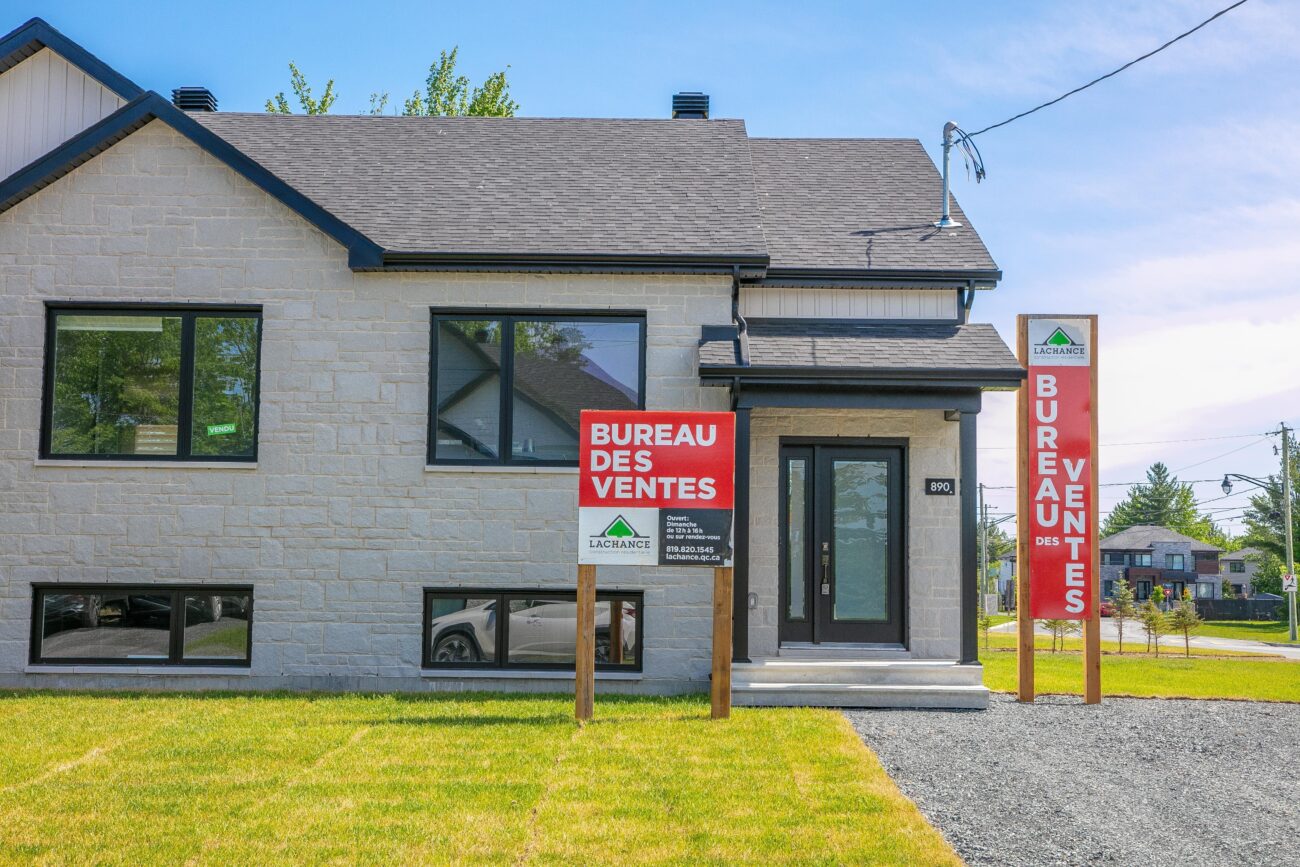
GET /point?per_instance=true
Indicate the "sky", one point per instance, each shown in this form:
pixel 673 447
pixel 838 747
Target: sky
pixel 1165 200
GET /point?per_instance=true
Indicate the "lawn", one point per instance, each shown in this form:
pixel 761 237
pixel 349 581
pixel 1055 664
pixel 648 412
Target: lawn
pixel 1171 675
pixel 1251 630
pixel 226 779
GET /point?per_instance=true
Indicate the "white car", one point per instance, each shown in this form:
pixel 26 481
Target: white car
pixel 541 631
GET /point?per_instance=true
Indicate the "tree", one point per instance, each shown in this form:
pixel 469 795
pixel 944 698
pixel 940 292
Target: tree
pixel 1268 577
pixel 1158 595
pixel 983 621
pixel 1153 622
pixel 1184 619
pixel 1165 502
pixel 1122 608
pixel 298 84
pixel 1060 629
pixel 445 94
pixel 1265 529
pixel 1226 591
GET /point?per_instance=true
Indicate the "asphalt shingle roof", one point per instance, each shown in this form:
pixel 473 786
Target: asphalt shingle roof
pixel 1143 535
pixel 517 185
pixel 858 204
pixel 867 346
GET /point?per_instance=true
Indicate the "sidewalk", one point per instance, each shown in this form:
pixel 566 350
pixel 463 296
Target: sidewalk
pixel 1133 635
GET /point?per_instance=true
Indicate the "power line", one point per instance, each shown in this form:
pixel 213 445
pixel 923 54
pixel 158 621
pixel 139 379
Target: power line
pixel 1153 442
pixel 1224 455
pixel 1113 72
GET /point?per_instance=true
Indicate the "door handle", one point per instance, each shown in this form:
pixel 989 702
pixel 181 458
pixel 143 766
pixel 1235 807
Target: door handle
pixel 826 568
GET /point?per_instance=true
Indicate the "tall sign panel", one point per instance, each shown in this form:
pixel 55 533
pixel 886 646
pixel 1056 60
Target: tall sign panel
pixel 1057 510
pixel 655 489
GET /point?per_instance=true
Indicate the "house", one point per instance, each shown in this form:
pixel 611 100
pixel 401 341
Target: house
pixel 1147 556
pixel 291 402
pixel 1239 568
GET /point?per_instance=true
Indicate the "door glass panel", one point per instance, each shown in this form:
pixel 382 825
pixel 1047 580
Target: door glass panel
pixel 796 523
pixel 860 505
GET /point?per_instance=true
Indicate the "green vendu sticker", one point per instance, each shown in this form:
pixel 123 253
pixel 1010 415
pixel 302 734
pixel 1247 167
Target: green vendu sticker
pixel 216 430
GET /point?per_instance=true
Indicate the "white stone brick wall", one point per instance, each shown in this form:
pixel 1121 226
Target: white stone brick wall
pixel 933 522
pixel 340 525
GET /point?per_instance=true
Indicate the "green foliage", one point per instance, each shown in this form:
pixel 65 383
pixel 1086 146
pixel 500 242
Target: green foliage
pixel 298 84
pixel 984 620
pixel 1268 577
pixel 447 94
pixel 1060 629
pixel 1183 618
pixel 1165 502
pixel 1225 589
pixel 1265 528
pixel 1153 621
pixel 1123 608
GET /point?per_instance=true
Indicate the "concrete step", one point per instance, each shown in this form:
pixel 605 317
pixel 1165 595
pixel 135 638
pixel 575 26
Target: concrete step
pixel 861 672
pixel 859 695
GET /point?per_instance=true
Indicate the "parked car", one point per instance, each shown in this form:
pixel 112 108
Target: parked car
pixel 541 631
pixel 1107 609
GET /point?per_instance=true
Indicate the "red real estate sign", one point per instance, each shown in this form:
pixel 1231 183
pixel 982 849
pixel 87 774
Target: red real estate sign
pixel 1060 500
pixel 656 488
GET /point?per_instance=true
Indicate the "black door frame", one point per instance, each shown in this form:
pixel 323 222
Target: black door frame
pixel 808 631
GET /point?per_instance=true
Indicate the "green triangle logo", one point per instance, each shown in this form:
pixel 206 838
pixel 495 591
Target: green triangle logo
pixel 619 529
pixel 1058 338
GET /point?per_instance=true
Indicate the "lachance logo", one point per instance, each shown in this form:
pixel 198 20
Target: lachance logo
pixel 1059 344
pixel 620 534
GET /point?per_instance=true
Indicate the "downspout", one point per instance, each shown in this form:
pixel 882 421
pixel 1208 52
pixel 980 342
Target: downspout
pixel 969 301
pixel 742 327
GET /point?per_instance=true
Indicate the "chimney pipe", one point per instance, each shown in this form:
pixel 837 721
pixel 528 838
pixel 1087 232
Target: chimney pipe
pixel 691 105
pixel 194 99
pixel 945 220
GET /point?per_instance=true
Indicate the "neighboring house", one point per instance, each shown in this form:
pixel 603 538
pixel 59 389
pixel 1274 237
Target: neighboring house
pixel 291 401
pixel 1239 569
pixel 1004 570
pixel 1148 556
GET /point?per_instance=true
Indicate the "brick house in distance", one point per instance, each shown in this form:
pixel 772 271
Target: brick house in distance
pixel 290 402
pixel 1148 556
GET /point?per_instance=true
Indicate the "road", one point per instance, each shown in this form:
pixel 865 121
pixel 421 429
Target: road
pixel 1134 636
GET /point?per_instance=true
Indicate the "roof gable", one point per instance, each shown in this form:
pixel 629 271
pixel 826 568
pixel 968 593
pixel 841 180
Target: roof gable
pixel 26 40
pixel 1146 536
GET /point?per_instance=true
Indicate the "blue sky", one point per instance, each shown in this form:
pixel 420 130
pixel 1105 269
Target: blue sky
pixel 1165 200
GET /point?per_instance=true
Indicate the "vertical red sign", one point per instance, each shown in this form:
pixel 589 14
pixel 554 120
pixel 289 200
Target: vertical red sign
pixel 1059 501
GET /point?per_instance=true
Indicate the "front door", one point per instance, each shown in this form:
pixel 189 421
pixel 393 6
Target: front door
pixel 841 544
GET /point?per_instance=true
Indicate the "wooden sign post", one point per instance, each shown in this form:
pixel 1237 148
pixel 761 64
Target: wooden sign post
pixel 654 489
pixel 1058 558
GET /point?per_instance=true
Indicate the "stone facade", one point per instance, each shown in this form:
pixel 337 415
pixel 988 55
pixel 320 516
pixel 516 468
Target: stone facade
pixel 339 525
pixel 933 555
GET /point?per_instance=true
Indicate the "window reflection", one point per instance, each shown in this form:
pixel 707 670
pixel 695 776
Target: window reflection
pixel 111 625
pixel 216 626
pixel 462 630
pixel 469 389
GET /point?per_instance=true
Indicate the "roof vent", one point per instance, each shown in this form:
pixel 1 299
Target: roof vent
pixel 194 99
pixel 691 105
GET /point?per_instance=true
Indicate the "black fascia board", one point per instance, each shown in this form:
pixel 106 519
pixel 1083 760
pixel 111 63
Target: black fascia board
pixel 996 377
pixel 875 275
pixel 362 252
pixel 36 34
pixel 675 263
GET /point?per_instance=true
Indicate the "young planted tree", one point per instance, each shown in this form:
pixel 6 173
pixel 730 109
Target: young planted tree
pixel 1060 629
pixel 1183 618
pixel 1158 596
pixel 1153 622
pixel 1123 608
pixel 984 620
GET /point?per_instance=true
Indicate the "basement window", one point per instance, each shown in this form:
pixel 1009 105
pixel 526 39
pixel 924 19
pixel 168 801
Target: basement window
pixel 132 383
pixel 147 624
pixel 527 629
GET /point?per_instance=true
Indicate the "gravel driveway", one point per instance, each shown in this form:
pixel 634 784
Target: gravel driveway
pixel 1133 781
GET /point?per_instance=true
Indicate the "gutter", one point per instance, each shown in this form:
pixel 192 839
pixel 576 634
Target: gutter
pixel 747 264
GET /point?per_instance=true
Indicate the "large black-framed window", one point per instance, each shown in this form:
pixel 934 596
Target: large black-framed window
pixel 136 382
pixel 506 387
pixel 528 629
pixel 142 624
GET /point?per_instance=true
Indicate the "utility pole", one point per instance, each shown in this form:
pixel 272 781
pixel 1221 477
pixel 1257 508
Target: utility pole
pixel 1286 521
pixel 984 545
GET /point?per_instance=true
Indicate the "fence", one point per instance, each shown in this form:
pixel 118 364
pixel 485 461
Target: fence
pixel 1241 609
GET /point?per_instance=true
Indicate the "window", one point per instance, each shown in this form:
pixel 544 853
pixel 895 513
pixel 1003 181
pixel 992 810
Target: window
pixel 1108 589
pixel 1204 590
pixel 1174 561
pixel 527 629
pixel 152 384
pixel 141 625
pixel 1237 566
pixel 1113 558
pixel 1141 559
pixel 507 389
pixel 1142 591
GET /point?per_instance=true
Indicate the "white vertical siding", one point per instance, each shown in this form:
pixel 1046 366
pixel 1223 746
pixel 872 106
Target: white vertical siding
pixel 44 101
pixel 769 302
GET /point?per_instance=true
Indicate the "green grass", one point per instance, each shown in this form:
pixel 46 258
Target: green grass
pixel 229 779
pixel 1171 675
pixel 1267 630
pixel 1134 643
